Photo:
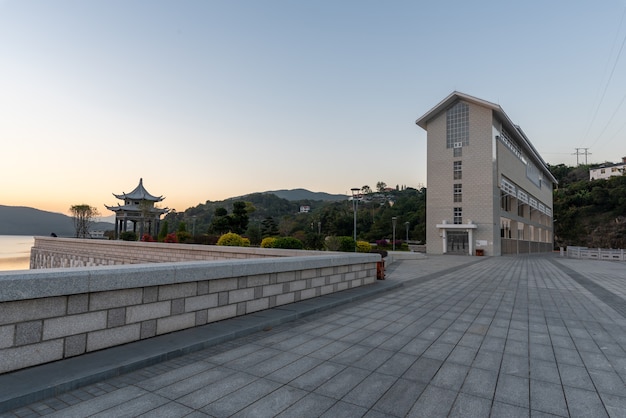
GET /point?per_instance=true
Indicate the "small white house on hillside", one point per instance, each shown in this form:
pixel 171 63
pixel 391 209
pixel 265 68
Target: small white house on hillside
pixel 608 170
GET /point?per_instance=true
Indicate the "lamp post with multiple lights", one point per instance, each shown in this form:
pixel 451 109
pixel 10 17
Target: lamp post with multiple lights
pixel 355 205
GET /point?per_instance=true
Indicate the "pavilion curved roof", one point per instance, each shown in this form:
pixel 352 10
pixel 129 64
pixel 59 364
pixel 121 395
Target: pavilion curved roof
pixel 140 193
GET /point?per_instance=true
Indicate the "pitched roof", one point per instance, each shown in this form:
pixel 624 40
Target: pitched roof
pixel 512 128
pixel 140 193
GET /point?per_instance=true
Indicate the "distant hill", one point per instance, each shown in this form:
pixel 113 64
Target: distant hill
pixel 303 194
pixel 21 220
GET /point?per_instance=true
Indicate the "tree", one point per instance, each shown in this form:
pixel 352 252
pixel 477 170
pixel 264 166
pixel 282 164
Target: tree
pixel 83 216
pixel 163 231
pixel 239 218
pixel 269 227
pixel 221 221
pixel 366 189
pixel 381 186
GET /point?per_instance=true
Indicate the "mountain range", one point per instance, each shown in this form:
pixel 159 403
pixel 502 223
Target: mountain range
pixel 304 194
pixel 21 220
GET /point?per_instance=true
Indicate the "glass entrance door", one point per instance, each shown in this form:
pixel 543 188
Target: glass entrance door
pixel 457 242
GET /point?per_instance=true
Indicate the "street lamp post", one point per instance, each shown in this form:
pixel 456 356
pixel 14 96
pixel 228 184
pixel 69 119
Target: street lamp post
pixel 406 224
pixel 393 221
pixel 355 205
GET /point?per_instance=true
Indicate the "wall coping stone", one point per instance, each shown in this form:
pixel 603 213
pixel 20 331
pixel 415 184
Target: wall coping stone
pixel 41 283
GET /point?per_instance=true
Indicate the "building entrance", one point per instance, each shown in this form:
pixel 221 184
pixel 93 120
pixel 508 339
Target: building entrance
pixel 458 242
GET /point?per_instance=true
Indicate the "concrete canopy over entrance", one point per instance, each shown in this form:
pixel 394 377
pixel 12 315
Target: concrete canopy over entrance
pixel 457 238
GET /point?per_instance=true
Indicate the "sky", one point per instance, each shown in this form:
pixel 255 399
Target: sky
pixel 207 100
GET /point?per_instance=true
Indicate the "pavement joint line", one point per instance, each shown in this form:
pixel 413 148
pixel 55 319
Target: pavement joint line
pixel 617 303
pixel 27 386
pixel 441 273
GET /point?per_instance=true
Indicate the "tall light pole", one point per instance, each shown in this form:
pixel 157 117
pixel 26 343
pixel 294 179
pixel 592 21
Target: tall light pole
pixel 393 222
pixel 355 205
pixel 406 224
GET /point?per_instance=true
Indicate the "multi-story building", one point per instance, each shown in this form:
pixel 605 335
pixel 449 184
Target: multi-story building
pixel 489 190
pixel 608 170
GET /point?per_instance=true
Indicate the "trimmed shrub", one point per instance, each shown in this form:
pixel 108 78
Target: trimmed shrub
pixel 171 238
pixel 231 239
pixel 183 236
pixel 363 247
pixel 268 242
pixel 128 236
pixel 147 238
pixel 288 243
pixel 345 244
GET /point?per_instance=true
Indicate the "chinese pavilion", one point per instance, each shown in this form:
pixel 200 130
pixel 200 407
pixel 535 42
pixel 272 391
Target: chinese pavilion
pixel 139 209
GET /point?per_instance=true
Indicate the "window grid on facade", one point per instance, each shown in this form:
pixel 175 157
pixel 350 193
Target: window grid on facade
pixel 458 216
pixel 457 126
pixel 457 152
pixel 505 202
pixel 458 170
pixel 458 192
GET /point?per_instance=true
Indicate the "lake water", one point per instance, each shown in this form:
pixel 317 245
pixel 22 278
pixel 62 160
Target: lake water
pixel 15 252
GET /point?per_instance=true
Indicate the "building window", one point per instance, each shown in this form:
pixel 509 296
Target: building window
pixel 458 152
pixel 505 228
pixel 457 126
pixel 505 202
pixel 458 170
pixel 458 193
pixel 458 216
pixel 520 209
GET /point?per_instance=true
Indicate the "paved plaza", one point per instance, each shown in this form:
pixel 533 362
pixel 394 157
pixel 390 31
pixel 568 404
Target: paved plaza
pixel 443 336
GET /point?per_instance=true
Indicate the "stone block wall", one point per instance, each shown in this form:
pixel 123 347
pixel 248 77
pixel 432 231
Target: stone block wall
pixel 49 252
pixel 51 314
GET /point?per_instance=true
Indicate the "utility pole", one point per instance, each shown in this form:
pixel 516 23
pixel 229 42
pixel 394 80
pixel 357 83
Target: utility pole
pixel 578 152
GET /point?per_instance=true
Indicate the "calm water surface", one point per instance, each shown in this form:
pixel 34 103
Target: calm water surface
pixel 15 252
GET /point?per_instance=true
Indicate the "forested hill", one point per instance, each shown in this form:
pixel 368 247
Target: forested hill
pixel 589 213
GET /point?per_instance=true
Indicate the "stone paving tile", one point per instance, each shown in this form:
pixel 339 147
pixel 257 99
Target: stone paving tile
pixel 399 398
pixel 341 383
pixel 433 402
pixel 241 398
pixel 311 406
pixel 100 404
pixel 503 336
pixel 134 407
pixel 193 383
pixel 547 397
pixel 513 389
pixel 584 403
pixel 370 390
pixel 470 406
pixel 344 410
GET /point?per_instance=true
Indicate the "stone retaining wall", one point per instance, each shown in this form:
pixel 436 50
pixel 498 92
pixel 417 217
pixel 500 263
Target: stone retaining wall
pixel 49 252
pixel 51 314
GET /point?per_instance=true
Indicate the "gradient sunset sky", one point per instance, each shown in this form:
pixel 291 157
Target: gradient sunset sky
pixel 207 100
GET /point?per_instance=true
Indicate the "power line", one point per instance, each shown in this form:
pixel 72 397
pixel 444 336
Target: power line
pixel 578 153
pixel 595 114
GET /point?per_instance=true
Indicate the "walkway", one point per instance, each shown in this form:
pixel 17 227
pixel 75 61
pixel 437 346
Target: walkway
pixel 460 337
